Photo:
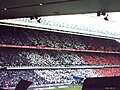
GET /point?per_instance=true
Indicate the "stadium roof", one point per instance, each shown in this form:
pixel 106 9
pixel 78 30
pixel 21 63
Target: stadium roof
pixel 81 24
pixel 26 8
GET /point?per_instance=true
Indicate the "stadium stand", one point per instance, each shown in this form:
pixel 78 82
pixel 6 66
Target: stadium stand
pixel 109 71
pixel 103 59
pixel 40 77
pixel 20 36
pixel 48 58
pixel 43 58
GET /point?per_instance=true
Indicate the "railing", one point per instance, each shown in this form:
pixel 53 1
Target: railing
pixel 58 67
pixel 50 48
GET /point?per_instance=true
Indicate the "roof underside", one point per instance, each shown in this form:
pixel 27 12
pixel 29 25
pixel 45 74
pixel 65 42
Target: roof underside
pixel 26 8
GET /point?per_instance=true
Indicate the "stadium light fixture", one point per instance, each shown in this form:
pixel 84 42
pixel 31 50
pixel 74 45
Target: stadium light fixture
pixel 5 9
pixel 98 13
pixel 36 17
pixel 31 18
pixel 39 20
pixel 101 12
pixel 106 18
pixel 40 4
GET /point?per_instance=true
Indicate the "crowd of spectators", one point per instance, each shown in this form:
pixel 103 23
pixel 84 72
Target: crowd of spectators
pixel 43 58
pixel 101 58
pixel 53 58
pixel 101 44
pixel 41 77
pixel 109 71
pixel 17 36
pixel 104 59
pixel 49 58
pixel 20 36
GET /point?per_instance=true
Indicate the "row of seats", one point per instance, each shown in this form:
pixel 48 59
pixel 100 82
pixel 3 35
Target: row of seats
pixel 43 58
pixel 53 58
pixel 109 71
pixel 42 77
pixel 101 58
pixel 20 36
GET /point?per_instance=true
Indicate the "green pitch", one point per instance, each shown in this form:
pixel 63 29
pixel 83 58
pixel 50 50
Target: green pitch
pixel 69 88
